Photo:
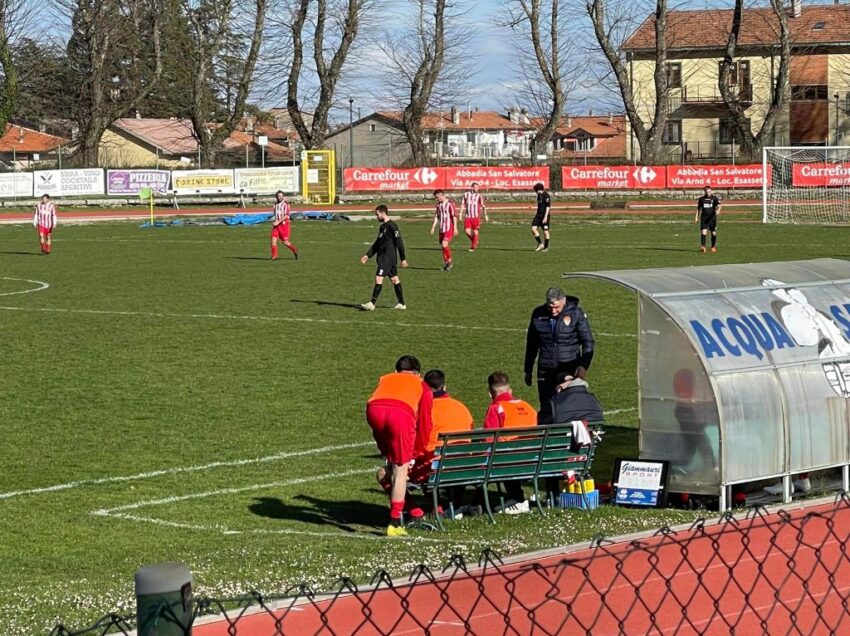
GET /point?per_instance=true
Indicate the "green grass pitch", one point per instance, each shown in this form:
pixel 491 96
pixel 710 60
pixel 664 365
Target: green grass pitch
pixel 174 395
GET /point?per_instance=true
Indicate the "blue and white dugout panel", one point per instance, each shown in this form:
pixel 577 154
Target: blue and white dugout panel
pixel 743 370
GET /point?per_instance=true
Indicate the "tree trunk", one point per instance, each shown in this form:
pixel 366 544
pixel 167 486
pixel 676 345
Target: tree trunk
pixel 10 74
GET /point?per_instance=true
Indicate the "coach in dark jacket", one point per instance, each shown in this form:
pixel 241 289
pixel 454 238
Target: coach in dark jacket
pixel 559 337
pixel 572 401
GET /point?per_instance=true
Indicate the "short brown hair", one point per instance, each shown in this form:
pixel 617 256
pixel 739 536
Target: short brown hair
pixel 382 209
pixel 498 379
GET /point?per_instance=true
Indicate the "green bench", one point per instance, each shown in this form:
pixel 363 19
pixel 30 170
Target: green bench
pixel 484 457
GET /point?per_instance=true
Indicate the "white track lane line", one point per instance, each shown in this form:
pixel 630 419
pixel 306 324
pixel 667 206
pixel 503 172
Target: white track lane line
pixel 152 314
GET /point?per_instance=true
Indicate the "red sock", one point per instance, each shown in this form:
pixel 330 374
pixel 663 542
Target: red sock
pixel 274 251
pixel 395 509
pixel 47 248
pixel 292 248
pixel 474 241
pixel 447 254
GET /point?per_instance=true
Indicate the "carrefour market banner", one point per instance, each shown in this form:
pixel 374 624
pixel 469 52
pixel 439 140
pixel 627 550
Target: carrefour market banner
pixel 202 181
pixel 131 182
pixel 267 180
pixel 427 178
pixel 68 182
pixel 820 174
pixel 613 177
pixel 16 184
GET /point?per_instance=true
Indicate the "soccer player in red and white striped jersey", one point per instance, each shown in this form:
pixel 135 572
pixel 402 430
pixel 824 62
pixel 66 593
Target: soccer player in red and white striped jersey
pixel 473 205
pixel 44 220
pixel 280 225
pixel 446 217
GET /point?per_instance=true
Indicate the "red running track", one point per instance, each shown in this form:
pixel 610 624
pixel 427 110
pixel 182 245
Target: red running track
pixel 785 573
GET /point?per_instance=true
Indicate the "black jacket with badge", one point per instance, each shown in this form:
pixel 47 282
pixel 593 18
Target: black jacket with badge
pixel 568 346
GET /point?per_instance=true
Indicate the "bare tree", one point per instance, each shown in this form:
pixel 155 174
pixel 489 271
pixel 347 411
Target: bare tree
pixel 649 137
pixel 545 32
pixel 737 98
pixel 328 59
pixel 114 54
pixel 221 61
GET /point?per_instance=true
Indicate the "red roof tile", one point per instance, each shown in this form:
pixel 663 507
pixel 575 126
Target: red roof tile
pixel 174 136
pixel 709 28
pixel 479 120
pixel 27 140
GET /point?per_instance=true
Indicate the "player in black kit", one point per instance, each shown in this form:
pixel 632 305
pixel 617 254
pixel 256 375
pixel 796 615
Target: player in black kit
pixel 541 219
pixel 385 247
pixel 708 207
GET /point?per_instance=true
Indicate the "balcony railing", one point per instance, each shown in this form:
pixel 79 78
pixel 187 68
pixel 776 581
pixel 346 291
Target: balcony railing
pixel 708 94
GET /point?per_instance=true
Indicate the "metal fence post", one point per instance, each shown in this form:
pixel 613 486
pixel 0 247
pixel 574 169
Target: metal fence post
pixel 163 600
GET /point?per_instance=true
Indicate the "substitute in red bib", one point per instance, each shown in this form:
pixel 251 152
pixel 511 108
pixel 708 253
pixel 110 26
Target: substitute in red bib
pixel 399 414
pixel 472 206
pixel 44 220
pixel 445 217
pixel 281 225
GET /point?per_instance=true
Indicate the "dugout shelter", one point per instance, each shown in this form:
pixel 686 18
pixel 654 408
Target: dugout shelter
pixel 743 370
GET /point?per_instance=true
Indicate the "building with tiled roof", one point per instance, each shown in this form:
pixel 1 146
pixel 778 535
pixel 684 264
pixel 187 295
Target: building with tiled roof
pixel 169 143
pixel 584 137
pixel 22 147
pixel 818 110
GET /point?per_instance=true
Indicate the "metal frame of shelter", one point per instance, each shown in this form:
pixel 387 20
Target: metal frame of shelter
pixel 743 370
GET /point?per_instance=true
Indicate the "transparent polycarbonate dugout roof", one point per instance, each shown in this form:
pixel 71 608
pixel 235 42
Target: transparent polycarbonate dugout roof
pixel 743 369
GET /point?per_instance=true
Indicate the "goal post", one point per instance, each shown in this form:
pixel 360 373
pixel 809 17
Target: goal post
pixel 806 184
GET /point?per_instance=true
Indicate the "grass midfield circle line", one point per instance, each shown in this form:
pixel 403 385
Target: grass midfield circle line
pixel 41 283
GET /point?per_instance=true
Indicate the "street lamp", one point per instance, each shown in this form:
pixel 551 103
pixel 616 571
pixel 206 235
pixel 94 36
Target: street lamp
pixel 350 132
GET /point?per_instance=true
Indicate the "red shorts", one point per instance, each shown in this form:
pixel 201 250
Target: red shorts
pixel 281 231
pixel 43 230
pixel 472 223
pixel 447 236
pixel 394 430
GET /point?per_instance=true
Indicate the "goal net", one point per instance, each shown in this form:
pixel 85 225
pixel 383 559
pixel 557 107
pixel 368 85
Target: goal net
pixel 806 184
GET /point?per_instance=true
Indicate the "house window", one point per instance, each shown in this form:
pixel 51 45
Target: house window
pixel 371 127
pixel 672 132
pixel 728 132
pixel 470 137
pixel 739 73
pixel 847 103
pixel 585 144
pixel 809 93
pixel 674 75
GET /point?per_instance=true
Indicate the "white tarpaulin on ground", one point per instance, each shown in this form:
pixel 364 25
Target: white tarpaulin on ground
pixel 202 182
pixel 744 370
pixel 69 182
pixel 16 184
pixel 267 180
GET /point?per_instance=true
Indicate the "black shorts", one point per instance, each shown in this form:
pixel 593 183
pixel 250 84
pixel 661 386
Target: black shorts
pixel 538 222
pixel 708 223
pixel 387 267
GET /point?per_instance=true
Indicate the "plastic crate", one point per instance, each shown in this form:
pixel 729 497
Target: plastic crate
pixel 572 500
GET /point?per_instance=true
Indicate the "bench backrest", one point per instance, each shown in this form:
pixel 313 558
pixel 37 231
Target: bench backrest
pixel 483 456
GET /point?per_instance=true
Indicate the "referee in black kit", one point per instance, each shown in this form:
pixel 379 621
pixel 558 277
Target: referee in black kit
pixel 708 207
pixel 385 247
pixel 541 219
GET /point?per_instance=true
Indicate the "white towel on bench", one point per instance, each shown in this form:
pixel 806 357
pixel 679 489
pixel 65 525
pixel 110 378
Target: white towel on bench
pixel 581 436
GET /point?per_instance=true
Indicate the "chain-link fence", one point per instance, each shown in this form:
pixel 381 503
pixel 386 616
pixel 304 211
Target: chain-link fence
pixel 753 573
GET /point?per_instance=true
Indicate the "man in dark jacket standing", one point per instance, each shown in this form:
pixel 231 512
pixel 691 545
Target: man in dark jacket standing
pixel 559 337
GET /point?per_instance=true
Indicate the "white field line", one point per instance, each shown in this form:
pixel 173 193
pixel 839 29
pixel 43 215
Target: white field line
pixel 180 470
pixel 615 411
pixel 41 286
pixel 119 511
pixel 152 314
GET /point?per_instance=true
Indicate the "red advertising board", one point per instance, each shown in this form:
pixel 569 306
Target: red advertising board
pixel 695 177
pixel 393 178
pixel 613 177
pixel 451 178
pixel 496 177
pixel 820 174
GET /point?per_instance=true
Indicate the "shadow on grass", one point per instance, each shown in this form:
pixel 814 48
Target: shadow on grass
pixel 669 249
pixel 248 258
pixel 321 512
pixel 619 441
pixel 22 253
pixel 327 303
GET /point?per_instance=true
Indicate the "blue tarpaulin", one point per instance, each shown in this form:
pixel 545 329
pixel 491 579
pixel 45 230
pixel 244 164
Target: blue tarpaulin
pixel 247 219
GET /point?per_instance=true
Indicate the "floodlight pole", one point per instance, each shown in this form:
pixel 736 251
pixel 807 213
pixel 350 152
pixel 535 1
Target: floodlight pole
pixel 350 132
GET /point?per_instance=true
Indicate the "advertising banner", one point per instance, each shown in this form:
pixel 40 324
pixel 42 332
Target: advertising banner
pixel 267 180
pixel 68 182
pixel 496 177
pixel 132 182
pixel 696 177
pixel 820 174
pixel 202 181
pixel 393 179
pixel 16 184
pixel 639 482
pixel 613 177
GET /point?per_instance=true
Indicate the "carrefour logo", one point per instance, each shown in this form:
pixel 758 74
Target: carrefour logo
pixel 644 174
pixel 425 176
